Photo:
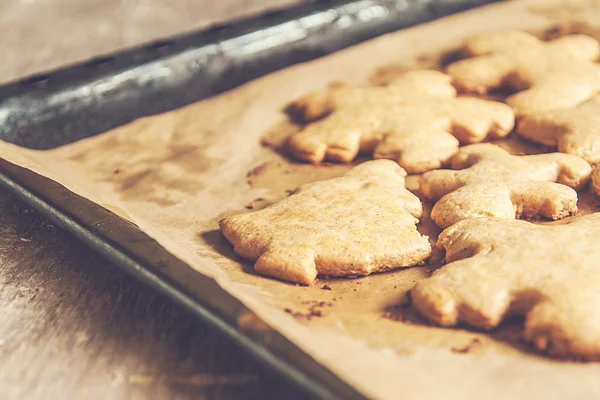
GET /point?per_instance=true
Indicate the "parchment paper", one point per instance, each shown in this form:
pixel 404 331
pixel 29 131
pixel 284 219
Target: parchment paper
pixel 175 175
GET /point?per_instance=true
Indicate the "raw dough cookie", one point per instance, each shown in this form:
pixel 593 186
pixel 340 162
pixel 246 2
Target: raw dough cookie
pixel 415 121
pixel 573 130
pixel 498 268
pixel 362 222
pixel 547 75
pixel 497 184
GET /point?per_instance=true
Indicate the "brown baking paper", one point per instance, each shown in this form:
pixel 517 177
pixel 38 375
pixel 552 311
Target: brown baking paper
pixel 175 175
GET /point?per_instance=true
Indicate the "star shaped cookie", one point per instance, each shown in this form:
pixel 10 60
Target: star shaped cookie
pixel 357 224
pixel 498 268
pixel 417 121
pixel 546 75
pixel 488 181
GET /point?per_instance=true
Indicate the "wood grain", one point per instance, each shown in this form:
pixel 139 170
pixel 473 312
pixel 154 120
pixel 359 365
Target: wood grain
pixel 42 35
pixel 74 326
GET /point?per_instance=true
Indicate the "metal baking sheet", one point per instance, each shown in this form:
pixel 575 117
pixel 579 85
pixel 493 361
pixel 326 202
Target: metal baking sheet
pixel 63 106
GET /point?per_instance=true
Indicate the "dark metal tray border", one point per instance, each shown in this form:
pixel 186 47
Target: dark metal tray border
pixel 113 237
pixel 49 110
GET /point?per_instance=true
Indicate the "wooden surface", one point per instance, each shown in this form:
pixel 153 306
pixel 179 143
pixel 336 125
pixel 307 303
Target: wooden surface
pixel 71 324
pixel 39 35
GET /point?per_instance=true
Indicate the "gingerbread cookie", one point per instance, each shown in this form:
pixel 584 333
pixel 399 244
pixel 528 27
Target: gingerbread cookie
pixel 415 121
pixel 492 182
pixel 596 180
pixel 362 222
pixel 547 75
pixel 497 268
pixel 573 130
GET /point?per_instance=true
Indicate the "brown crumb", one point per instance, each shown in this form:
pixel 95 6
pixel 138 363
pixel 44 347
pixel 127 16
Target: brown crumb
pixel 117 171
pixel 255 171
pixel 315 310
pixel 324 304
pixel 327 287
pixel 268 142
pixel 297 315
pixel 254 204
pixel 552 33
pixel 398 312
pixel 557 31
pixel 408 301
pixel 473 345
pixel 394 316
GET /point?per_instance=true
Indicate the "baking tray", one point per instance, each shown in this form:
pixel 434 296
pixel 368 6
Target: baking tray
pixel 66 105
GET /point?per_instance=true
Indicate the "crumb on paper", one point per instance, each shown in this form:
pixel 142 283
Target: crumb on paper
pixel 327 287
pixel 474 344
pixel 255 171
pixel 559 30
pixel 256 203
pixel 314 310
pixel 398 312
pixel 394 316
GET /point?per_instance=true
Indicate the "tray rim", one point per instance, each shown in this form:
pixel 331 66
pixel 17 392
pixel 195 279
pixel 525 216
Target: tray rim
pixel 14 179
pixel 315 380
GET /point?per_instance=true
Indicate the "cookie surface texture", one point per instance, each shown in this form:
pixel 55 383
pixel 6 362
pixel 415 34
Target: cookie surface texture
pixel 546 75
pixel 357 224
pixel 498 268
pixel 574 130
pixel 488 181
pixel 416 120
pixel 596 180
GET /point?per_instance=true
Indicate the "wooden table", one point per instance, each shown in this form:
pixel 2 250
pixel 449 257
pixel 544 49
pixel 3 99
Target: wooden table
pixel 71 324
